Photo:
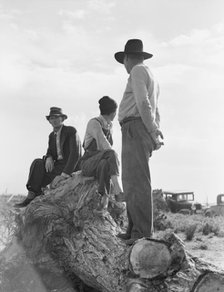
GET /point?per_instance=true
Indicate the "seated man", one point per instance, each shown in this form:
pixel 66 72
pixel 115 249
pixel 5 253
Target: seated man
pixel 62 158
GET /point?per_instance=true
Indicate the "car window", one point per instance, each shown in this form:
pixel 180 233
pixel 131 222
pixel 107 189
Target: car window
pixel 190 197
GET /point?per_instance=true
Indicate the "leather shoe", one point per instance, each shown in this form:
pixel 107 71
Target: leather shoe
pixel 120 197
pixel 124 236
pixel 131 240
pixel 24 203
pixel 102 205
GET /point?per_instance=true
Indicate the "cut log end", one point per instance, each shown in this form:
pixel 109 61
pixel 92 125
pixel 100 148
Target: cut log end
pixel 149 258
pixel 210 282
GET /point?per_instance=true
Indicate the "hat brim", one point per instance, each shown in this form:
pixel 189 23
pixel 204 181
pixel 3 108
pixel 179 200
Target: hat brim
pixel 59 115
pixel 119 56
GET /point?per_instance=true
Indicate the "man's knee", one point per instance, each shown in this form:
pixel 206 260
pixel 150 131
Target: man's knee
pixel 38 163
pixel 102 164
pixel 102 168
pixel 38 160
pixel 112 155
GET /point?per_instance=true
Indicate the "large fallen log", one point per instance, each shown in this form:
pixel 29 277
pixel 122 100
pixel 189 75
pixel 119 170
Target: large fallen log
pixel 67 244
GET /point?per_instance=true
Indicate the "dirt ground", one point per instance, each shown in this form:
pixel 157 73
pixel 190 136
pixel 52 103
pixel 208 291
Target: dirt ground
pixel 209 248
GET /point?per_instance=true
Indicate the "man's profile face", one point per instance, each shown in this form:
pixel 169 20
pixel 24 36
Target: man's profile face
pixel 126 64
pixel 112 115
pixel 56 121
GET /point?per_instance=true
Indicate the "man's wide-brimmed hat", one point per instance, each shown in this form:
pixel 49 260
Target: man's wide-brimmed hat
pixel 133 46
pixel 56 111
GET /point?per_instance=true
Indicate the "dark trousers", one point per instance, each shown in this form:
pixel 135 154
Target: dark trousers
pixel 39 178
pixel 137 147
pixel 102 165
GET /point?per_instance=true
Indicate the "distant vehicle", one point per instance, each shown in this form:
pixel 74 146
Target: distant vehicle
pixel 182 202
pixel 216 210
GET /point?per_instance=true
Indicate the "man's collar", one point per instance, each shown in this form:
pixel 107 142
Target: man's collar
pixel 138 64
pixel 107 124
pixel 58 130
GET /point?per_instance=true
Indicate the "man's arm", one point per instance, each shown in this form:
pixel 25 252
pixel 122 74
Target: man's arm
pixel 95 129
pixel 48 158
pixel 139 80
pixel 49 151
pixel 75 151
pixel 147 107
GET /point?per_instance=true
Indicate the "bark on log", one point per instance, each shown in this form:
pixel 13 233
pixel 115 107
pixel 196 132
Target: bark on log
pixel 63 239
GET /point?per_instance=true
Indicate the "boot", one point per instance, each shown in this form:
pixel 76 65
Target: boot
pixel 127 234
pixel 124 236
pixel 131 240
pixel 120 197
pixel 103 204
pixel 31 195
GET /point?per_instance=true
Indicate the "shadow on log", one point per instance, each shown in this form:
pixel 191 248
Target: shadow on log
pixel 62 246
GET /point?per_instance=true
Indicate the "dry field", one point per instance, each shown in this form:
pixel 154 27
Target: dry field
pixel 7 216
pixel 203 237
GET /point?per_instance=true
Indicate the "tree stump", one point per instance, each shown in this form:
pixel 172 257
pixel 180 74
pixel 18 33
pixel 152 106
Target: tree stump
pixel 68 245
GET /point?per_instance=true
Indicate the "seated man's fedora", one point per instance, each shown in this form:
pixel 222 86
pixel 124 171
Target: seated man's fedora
pixel 56 111
pixel 133 46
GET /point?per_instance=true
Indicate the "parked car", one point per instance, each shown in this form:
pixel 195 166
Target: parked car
pixel 216 210
pixel 182 202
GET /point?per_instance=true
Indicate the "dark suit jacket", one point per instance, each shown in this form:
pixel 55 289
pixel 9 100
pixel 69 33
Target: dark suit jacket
pixel 70 147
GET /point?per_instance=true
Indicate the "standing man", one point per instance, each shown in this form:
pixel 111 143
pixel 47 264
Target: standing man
pixel 62 158
pixel 139 119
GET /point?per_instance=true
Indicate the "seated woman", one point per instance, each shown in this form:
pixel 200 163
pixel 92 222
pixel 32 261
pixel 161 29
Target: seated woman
pixel 99 159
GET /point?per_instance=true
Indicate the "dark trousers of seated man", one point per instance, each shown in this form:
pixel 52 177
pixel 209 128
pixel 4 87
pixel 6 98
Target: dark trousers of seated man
pixel 39 178
pixel 102 165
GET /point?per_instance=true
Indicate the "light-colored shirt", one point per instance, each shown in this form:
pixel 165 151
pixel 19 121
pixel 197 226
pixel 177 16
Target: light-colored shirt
pixel 94 131
pixel 58 146
pixel 140 98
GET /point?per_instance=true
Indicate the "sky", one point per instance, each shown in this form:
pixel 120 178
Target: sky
pixel 61 53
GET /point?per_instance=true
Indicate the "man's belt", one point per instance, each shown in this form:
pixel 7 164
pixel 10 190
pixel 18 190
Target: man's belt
pixel 129 119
